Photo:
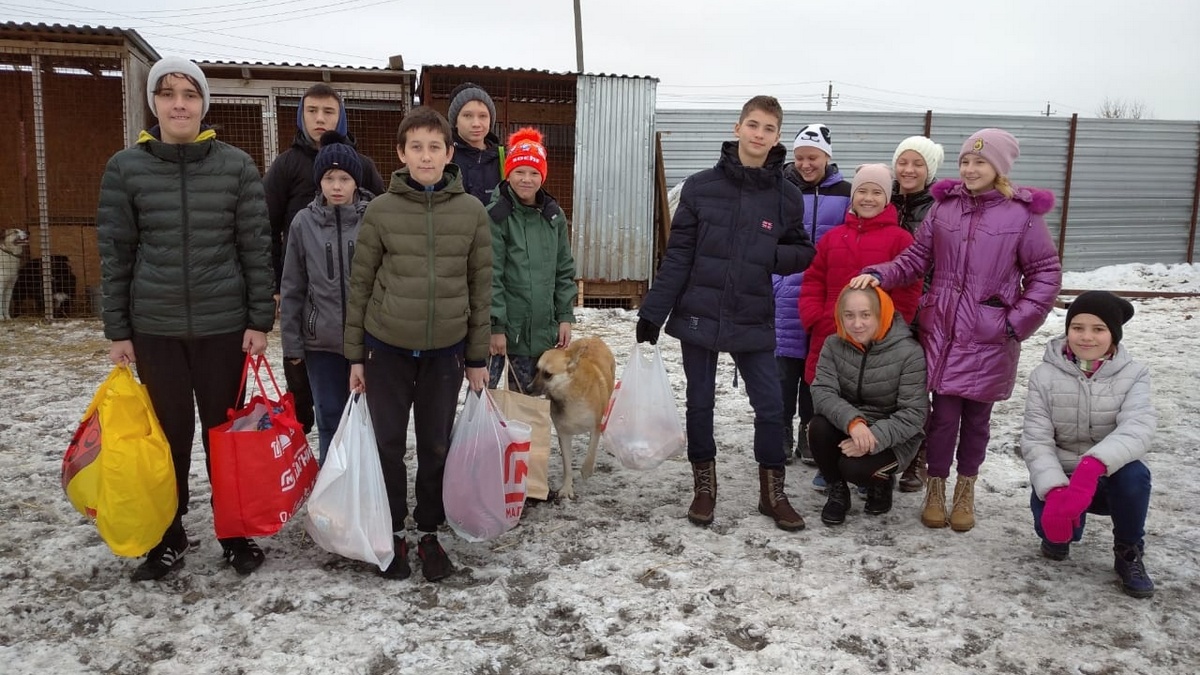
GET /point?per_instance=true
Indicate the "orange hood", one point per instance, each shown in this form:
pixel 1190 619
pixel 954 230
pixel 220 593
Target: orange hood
pixel 886 311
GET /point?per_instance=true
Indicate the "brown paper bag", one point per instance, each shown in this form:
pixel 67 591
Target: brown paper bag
pixel 534 411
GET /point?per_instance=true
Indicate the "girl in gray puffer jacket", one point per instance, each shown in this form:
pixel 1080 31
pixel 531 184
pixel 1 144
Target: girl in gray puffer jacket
pixel 1089 422
pixel 316 277
pixel 870 400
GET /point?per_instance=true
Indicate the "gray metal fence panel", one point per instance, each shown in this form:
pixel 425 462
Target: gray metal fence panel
pixel 613 230
pixel 1131 192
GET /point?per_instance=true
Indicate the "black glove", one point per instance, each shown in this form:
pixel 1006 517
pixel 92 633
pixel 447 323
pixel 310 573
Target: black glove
pixel 647 331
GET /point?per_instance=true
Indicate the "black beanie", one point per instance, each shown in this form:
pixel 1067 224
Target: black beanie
pixel 336 154
pixel 1114 311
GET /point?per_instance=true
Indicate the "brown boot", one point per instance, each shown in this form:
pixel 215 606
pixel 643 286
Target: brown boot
pixel 774 503
pixel 704 475
pixel 962 516
pixel 934 511
pixel 912 480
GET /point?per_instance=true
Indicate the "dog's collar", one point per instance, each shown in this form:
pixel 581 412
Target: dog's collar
pixel 15 255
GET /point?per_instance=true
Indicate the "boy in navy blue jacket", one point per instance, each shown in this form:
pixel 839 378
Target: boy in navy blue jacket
pixel 737 224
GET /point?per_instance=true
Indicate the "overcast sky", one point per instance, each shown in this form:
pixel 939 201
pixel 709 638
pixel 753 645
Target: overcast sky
pixel 1003 56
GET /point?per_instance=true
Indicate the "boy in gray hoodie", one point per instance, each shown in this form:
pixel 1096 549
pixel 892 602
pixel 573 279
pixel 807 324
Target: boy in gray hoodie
pixel 315 280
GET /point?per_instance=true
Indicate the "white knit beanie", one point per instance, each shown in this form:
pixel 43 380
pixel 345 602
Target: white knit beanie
pixel 175 64
pixel 932 152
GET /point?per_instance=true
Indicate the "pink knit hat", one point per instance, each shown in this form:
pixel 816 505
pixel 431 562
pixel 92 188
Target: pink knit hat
pixel 997 146
pixel 878 174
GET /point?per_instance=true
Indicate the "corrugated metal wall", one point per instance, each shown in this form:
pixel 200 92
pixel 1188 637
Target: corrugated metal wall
pixel 613 224
pixel 1131 192
pixel 1131 188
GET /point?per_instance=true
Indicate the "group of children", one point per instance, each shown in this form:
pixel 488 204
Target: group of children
pixel 413 287
pixel 968 264
pixel 410 287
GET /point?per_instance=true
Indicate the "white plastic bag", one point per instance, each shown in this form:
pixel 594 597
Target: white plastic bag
pixel 483 487
pixel 642 426
pixel 348 511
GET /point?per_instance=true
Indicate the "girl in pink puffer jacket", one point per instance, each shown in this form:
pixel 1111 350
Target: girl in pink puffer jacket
pixel 996 276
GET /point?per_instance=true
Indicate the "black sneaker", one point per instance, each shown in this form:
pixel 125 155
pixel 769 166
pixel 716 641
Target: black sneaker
pixel 161 559
pixel 243 555
pixel 399 568
pixel 803 451
pixel 435 564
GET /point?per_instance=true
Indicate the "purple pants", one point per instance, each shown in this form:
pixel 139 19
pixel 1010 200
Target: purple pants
pixel 968 422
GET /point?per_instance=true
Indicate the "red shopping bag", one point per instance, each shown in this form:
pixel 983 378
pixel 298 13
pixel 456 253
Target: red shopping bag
pixel 262 467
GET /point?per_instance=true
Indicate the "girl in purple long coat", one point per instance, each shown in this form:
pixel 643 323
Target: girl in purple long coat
pixel 996 274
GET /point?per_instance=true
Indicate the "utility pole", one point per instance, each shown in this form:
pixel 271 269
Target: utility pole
pixel 578 38
pixel 1048 112
pixel 829 98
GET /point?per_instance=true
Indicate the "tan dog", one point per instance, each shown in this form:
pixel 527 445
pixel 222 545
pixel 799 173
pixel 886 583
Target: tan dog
pixel 12 248
pixel 578 381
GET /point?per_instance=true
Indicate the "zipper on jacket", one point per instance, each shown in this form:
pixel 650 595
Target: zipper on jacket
pixel 329 261
pixel 862 370
pixel 813 237
pixel 431 255
pixel 183 206
pixel 337 218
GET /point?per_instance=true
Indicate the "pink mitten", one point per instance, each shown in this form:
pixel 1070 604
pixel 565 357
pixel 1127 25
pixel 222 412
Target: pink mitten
pixel 1057 524
pixel 1065 506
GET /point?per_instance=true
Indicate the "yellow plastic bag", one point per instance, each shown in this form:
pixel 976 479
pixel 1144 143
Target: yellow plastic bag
pixel 118 467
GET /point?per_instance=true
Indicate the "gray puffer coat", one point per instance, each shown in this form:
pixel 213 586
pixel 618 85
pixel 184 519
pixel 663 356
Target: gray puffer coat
pixel 1069 416
pixel 316 275
pixel 883 384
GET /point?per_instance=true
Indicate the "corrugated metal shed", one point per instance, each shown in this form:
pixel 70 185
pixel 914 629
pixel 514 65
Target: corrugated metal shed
pixel 1131 192
pixel 613 229
pixel 86 36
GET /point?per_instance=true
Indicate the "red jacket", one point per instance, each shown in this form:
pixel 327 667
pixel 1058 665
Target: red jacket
pixel 842 254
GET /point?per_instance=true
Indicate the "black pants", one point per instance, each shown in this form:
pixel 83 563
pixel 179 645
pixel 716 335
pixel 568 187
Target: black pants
pixel 823 439
pixel 181 375
pixel 428 386
pixel 762 387
pixel 297 383
pixel 796 394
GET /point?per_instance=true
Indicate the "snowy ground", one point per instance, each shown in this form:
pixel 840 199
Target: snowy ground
pixel 618 581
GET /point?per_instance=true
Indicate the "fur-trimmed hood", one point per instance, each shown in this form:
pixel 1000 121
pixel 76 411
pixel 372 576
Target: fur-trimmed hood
pixel 1040 201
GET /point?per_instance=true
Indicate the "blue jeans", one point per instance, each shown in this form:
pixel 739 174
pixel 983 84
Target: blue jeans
pixel 1125 496
pixel 761 377
pixel 329 376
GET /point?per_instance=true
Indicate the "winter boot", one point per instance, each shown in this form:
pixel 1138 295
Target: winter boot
pixel 962 516
pixel 1052 551
pixel 879 496
pixel 802 450
pixel 933 513
pixel 837 503
pixel 911 480
pixel 774 503
pixel 1127 561
pixel 704 477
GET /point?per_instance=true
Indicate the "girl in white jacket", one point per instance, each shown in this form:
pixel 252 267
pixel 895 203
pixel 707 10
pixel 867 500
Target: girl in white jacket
pixel 1089 421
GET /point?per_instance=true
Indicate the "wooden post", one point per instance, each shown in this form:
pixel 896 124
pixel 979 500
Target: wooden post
pixel 664 204
pixel 928 122
pixel 1066 200
pixel 1191 245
